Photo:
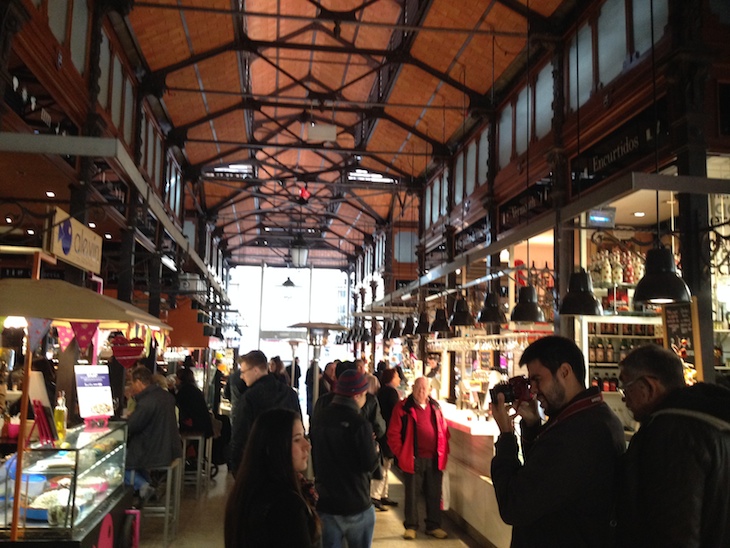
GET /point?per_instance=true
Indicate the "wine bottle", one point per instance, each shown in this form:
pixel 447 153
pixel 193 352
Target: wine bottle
pixel 609 352
pixel 600 352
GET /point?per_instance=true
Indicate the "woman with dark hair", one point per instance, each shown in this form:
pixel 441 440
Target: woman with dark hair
pixel 193 411
pixel 276 368
pixel 271 505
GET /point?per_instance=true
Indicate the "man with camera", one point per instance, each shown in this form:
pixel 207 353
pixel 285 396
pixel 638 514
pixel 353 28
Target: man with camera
pixel 562 495
pixel 675 481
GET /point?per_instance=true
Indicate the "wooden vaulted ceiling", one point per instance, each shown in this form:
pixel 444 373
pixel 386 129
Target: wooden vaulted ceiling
pixel 400 80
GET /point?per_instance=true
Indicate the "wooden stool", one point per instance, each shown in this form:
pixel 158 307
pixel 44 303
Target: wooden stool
pixel 204 449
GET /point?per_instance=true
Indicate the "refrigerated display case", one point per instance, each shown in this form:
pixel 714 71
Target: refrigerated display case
pixel 73 493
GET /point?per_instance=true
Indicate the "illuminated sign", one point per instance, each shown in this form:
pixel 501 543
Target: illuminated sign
pixel 74 243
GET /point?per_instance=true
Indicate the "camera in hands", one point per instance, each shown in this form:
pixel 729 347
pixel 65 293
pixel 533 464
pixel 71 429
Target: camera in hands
pixel 516 389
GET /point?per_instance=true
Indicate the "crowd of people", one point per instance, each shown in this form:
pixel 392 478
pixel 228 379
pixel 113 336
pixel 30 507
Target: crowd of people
pixel 563 473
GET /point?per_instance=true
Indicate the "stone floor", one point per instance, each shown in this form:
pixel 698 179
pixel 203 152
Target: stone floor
pixel 201 522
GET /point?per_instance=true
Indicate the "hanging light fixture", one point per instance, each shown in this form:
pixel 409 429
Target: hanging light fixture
pixel 364 335
pixel 288 283
pixel 395 330
pixel 299 251
pixel 580 300
pixel 461 316
pixel 409 329
pixel 661 284
pixel 387 328
pixel 527 309
pixel 491 312
pixel 423 327
pixel 440 323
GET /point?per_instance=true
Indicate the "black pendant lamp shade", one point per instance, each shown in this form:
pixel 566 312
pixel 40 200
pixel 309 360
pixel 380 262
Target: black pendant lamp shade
pixel 409 328
pixel 423 327
pixel 661 284
pixel 387 327
pixel 526 309
pixel 395 330
pixel 440 324
pixel 580 300
pixel 491 312
pixel 461 315
pixel 288 283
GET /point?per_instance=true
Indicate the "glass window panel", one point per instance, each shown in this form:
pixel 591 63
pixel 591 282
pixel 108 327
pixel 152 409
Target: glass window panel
pixel 611 40
pixel 158 161
pixel 585 67
pixel 150 145
pixel 57 19
pixel 444 193
pixel 128 112
pixel 405 246
pixel 522 120
pixel 104 63
pixel 505 136
pixel 79 31
pixel 483 157
pixel 544 101
pixel 471 167
pixel 117 83
pixel 642 23
pixel 427 206
pixel 459 179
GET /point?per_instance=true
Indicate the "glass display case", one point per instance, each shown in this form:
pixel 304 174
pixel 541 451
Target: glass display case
pixel 67 489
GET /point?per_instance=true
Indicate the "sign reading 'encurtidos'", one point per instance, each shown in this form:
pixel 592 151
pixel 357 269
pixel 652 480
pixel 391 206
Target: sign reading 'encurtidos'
pixel 73 242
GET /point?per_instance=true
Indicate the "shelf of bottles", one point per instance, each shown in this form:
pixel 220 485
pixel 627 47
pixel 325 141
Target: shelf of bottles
pixel 606 340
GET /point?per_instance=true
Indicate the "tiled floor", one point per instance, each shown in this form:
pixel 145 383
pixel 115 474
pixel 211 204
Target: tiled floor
pixel 201 522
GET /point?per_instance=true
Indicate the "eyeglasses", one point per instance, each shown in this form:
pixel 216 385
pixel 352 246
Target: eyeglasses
pixel 624 387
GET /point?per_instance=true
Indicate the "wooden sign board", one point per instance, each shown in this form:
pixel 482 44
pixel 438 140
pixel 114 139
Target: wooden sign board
pixel 681 332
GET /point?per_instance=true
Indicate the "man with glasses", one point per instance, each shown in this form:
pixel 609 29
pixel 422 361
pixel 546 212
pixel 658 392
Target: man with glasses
pixel 562 494
pixel 263 392
pixel 675 477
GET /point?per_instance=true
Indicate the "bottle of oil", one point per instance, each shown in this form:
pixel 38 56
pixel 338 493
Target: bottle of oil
pixel 60 414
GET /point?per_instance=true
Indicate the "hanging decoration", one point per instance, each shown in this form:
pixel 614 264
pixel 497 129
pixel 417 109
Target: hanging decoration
pixel 84 332
pixel 65 336
pixel 126 351
pixel 37 329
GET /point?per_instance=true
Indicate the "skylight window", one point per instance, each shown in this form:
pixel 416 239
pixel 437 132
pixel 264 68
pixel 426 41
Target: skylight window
pixel 233 171
pixel 363 175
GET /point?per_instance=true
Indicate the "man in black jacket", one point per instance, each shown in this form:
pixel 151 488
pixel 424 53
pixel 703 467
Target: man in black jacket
pixel 264 392
pixel 344 457
pixel 563 493
pixel 675 476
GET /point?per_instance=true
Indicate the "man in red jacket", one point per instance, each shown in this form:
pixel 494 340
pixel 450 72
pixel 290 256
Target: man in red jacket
pixel 419 438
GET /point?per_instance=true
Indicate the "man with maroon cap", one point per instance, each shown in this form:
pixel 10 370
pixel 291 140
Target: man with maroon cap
pixel 419 439
pixel 344 456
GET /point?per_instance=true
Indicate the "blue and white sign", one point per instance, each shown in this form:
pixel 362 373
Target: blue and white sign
pixel 94 390
pixel 75 243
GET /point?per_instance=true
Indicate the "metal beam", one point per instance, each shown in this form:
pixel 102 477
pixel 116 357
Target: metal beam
pixel 109 149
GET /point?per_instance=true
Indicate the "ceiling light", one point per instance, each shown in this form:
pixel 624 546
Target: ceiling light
pixel 580 300
pixel 423 324
pixel 92 224
pixel 661 284
pixel 440 324
pixel 288 283
pixel 299 252
pixel 30 232
pixel 50 194
pixel 461 315
pixel 108 236
pixel 491 312
pixel 409 328
pixel 526 309
pixel 639 214
pixel 8 219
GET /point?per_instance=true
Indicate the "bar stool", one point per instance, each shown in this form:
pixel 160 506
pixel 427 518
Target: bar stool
pixel 169 510
pixel 204 450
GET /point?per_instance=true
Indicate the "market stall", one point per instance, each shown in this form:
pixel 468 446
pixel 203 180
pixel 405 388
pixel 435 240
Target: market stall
pixel 84 474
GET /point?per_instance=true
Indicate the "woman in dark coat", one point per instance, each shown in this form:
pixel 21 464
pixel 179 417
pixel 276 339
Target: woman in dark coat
pixel 271 505
pixel 388 397
pixel 193 411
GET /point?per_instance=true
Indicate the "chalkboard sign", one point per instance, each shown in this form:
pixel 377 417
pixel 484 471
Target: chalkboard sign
pixel 681 332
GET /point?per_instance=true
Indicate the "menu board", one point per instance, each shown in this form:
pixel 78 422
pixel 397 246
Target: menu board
pixel 94 390
pixel 681 332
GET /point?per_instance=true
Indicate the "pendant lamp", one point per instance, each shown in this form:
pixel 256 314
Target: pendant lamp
pixel 580 300
pixel 395 330
pixel 409 328
pixel 491 312
pixel 661 284
pixel 423 327
pixel 440 324
pixel 461 315
pixel 387 327
pixel 364 334
pixel 526 309
pixel 288 283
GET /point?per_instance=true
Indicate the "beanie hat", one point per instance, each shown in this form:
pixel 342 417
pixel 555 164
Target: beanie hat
pixel 351 383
